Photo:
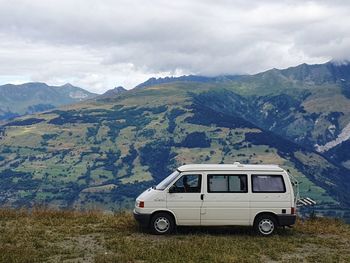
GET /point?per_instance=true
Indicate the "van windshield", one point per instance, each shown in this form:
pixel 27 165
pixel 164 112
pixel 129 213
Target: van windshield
pixel 164 184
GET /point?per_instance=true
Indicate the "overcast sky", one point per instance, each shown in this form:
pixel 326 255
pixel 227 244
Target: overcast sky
pixel 101 44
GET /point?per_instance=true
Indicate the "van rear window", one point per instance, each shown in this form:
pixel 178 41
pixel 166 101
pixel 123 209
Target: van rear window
pixel 268 183
pixel 224 183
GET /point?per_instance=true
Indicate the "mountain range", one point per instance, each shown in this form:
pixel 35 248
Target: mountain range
pixel 16 100
pixel 103 152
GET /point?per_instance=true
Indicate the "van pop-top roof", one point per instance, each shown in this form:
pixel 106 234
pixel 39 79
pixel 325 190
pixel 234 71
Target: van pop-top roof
pixel 236 166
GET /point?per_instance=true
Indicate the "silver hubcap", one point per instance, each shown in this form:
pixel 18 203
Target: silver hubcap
pixel 266 226
pixel 161 224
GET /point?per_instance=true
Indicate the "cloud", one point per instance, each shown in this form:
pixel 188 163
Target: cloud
pixel 102 44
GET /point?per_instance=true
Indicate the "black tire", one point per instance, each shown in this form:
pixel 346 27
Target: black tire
pixel 265 225
pixel 162 224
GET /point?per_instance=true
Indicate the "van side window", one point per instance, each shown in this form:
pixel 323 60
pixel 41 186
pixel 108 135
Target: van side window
pixel 268 183
pixel 225 183
pixel 189 183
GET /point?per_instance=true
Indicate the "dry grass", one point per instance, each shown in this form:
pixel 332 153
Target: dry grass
pixel 70 236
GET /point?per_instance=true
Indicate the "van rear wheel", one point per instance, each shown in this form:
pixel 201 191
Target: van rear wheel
pixel 162 224
pixel 265 225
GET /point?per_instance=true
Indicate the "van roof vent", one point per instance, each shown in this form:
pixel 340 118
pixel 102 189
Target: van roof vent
pixel 238 164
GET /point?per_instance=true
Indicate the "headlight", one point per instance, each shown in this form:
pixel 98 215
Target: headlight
pixel 140 204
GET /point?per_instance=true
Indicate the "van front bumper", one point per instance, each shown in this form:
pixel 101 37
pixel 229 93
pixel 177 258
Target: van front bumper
pixel 142 219
pixel 286 220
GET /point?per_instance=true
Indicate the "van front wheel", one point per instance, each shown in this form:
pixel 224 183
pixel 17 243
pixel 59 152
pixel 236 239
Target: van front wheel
pixel 265 225
pixel 162 224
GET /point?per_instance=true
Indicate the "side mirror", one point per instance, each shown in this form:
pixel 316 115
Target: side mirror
pixel 172 189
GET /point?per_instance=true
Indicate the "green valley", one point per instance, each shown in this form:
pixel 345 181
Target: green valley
pixel 103 152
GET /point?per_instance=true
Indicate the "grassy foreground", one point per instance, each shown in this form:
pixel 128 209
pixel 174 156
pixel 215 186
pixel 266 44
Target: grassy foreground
pixel 70 236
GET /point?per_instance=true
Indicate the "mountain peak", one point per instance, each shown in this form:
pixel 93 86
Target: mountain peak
pixel 37 96
pixel 112 92
pixel 329 72
pixel 186 78
pixel 68 85
pixel 119 89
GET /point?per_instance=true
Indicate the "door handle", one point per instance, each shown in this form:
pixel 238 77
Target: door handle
pixel 202 196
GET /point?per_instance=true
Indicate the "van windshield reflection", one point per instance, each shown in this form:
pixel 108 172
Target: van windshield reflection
pixel 164 184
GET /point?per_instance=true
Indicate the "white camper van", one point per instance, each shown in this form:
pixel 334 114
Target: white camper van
pixel 219 194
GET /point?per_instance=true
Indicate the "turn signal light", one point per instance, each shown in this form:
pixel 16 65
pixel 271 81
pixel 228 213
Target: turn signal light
pixel 142 204
pixel 292 210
